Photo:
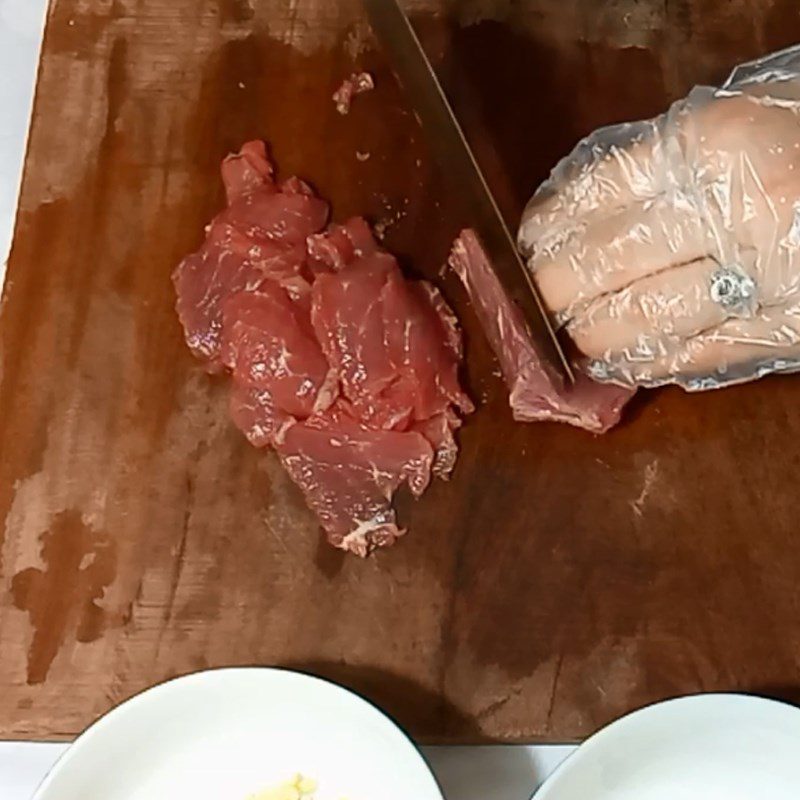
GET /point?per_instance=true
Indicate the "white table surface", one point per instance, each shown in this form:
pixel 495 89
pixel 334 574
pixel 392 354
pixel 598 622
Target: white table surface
pixel 466 773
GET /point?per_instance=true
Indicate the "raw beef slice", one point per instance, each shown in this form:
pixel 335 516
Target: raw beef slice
pixel 261 235
pixel 586 404
pixel 345 368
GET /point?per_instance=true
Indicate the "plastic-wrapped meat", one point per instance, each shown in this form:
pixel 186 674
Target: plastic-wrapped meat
pixel 586 404
pixel 348 370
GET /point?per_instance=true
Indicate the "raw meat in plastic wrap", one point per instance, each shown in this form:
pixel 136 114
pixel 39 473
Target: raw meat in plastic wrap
pixel 670 248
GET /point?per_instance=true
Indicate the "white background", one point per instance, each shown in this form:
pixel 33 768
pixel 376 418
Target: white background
pixel 466 773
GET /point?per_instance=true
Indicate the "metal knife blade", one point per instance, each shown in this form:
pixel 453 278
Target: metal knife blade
pixel 446 137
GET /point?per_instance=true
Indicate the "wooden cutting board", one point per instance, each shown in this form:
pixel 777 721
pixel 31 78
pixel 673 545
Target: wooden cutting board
pixel 559 580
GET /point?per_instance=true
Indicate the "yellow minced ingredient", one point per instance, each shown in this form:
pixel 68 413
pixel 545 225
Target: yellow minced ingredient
pixel 298 788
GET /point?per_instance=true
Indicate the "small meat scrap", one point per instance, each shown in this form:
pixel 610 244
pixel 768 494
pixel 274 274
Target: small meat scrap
pixel 357 83
pixel 586 404
pixel 345 368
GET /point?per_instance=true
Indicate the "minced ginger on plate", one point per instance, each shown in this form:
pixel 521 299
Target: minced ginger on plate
pixel 298 788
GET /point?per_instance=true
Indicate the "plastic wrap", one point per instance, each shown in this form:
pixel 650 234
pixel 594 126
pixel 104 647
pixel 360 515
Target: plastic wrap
pixel 669 248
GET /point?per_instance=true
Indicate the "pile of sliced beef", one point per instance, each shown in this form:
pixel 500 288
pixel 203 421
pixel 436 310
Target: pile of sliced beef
pixel 348 370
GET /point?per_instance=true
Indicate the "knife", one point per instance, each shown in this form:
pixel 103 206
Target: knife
pixel 446 137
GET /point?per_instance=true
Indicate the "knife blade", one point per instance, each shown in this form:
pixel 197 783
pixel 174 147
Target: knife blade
pixel 454 154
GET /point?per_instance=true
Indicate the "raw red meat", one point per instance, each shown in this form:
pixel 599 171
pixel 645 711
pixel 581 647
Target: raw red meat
pixel 348 370
pixel 415 315
pixel 246 171
pixel 347 475
pixel 268 343
pixel 340 245
pixel 348 319
pixel 255 415
pixel 399 360
pixel 262 234
pixel 440 432
pixel 586 404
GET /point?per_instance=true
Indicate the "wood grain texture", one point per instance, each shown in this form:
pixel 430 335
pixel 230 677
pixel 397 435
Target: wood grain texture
pixel 559 579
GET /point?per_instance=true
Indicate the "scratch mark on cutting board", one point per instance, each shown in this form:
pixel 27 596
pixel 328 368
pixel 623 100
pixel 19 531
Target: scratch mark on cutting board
pixel 650 476
pixel 556 677
pixel 180 552
pixel 495 705
pixel 79 563
pixel 179 559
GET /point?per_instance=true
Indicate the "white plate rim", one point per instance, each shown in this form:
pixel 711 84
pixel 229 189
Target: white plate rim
pixel 599 738
pixel 110 717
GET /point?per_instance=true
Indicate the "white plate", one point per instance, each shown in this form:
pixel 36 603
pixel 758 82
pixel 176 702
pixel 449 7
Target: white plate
pixel 223 734
pixel 707 747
